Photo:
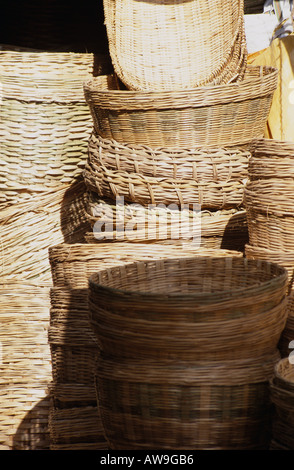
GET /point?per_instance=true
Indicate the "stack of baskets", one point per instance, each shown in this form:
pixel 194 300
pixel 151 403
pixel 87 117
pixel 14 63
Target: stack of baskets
pixel 188 347
pixel 173 131
pixel 269 199
pixel 282 395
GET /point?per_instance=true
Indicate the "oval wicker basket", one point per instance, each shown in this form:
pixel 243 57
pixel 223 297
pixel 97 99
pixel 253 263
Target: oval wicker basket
pixel 214 179
pixel 172 224
pixel 171 45
pixel 188 308
pixel 271 159
pixel 203 406
pixel 45 121
pixel 218 116
pixel 282 396
pixel 270 215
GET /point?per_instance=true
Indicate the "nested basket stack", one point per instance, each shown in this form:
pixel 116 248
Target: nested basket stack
pixel 282 395
pixel 45 126
pixel 74 347
pixel 269 198
pixel 188 346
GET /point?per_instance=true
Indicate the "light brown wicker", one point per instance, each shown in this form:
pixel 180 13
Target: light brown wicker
pixel 45 121
pixel 77 427
pixel 25 366
pixel 188 309
pixel 171 224
pixel 282 395
pixel 285 259
pixel 29 228
pixel 271 159
pixel 204 406
pixel 269 207
pixel 216 116
pixel 160 182
pixel 171 45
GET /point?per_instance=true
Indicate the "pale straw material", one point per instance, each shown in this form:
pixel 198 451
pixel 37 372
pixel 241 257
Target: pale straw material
pixel 168 44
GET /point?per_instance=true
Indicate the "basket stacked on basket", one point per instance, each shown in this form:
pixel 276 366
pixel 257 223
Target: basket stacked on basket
pixel 188 347
pixel 282 395
pixel 268 199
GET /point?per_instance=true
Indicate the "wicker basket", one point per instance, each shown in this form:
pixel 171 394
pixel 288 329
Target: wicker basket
pixel 76 428
pixel 176 44
pixel 25 369
pixel 172 224
pixel 166 314
pixel 282 395
pixel 204 406
pixel 285 259
pixel 270 216
pixel 29 228
pixel 214 179
pixel 45 121
pixel 288 333
pixel 218 116
pixel 253 6
pixel 271 159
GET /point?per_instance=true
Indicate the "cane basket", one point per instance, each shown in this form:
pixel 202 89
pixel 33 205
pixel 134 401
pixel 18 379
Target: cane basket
pixel 216 116
pixel 271 159
pixel 171 45
pixel 282 395
pixel 287 335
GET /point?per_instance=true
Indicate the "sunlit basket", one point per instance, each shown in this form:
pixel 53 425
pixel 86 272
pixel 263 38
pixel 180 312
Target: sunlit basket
pixel 271 159
pixel 45 121
pixel 159 309
pixel 204 406
pixel 270 215
pixel 171 45
pixel 28 229
pixel 171 224
pixel 217 116
pixel 282 395
pixel 214 179
pixel 25 369
pixel 76 428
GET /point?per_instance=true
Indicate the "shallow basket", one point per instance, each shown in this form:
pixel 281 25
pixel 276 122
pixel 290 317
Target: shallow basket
pixel 269 207
pixel 271 159
pixel 159 309
pixel 212 178
pixel 134 223
pixel 45 121
pixel 171 45
pixel 203 406
pixel 218 116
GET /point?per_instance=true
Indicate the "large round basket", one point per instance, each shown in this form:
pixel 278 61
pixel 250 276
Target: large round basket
pixel 218 116
pixel 286 345
pixel 172 44
pixel 271 159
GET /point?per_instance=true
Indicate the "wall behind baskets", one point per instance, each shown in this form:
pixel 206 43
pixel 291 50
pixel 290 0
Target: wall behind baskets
pixel 46 52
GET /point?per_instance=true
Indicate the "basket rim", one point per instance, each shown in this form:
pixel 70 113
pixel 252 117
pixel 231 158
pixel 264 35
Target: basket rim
pixel 282 277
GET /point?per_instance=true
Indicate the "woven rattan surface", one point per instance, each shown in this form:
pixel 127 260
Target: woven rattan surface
pixel 287 335
pixel 25 369
pixel 216 116
pixel 133 222
pixel 170 45
pixel 271 159
pixel 213 179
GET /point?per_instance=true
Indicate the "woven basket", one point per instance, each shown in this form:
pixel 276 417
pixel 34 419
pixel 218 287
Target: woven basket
pixel 214 179
pixel 72 395
pixel 157 405
pixel 282 395
pixel 176 44
pixel 288 333
pixel 172 224
pixel 29 228
pixel 166 314
pixel 285 259
pixel 271 159
pixel 218 116
pixel 25 369
pixel 77 427
pixel 253 6
pixel 270 216
pixel 45 121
